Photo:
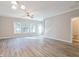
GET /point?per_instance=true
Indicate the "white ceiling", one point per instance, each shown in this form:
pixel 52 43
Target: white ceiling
pixel 41 9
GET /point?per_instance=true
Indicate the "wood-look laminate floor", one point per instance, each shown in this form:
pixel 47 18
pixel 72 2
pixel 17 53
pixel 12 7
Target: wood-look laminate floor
pixel 35 47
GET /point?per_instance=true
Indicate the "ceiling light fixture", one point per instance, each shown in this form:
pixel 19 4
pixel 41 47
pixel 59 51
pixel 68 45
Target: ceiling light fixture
pixel 22 7
pixel 19 5
pixel 14 7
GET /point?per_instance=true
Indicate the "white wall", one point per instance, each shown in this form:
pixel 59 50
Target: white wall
pixel 7 29
pixel 59 27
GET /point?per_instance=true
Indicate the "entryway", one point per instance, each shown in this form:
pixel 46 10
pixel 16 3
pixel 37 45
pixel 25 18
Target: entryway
pixel 75 31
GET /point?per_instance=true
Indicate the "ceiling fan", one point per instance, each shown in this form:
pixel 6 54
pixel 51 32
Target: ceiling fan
pixel 19 5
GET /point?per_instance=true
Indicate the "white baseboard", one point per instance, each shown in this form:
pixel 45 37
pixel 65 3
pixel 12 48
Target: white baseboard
pixel 59 39
pixel 44 37
pixel 19 36
pixel 4 37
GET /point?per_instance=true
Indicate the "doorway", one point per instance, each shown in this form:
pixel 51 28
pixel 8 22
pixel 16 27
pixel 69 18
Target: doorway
pixel 75 31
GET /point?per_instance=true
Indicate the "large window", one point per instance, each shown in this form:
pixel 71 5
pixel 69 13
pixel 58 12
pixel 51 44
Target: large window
pixel 24 27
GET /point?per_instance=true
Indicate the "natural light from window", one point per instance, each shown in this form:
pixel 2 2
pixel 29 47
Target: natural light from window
pixel 27 27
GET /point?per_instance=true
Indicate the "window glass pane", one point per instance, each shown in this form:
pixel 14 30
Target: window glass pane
pixel 33 28
pixel 40 28
pixel 17 27
pixel 25 27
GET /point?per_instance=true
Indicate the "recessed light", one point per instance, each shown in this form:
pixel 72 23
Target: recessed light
pixel 14 7
pixel 22 7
